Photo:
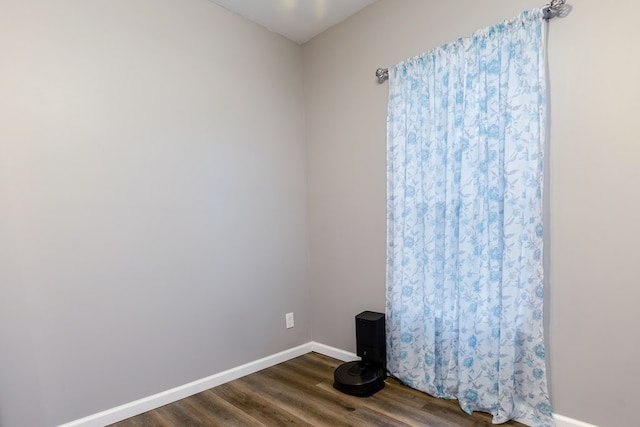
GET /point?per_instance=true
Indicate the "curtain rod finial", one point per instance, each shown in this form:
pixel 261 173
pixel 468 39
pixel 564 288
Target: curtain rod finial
pixel 553 9
pixel 382 74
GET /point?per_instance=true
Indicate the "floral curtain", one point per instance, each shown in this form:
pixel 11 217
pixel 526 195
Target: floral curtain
pixel 466 134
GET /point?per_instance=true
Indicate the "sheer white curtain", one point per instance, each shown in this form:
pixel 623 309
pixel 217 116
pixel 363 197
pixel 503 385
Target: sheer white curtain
pixel 466 131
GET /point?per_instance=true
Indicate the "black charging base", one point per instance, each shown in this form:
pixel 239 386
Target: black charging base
pixel 359 378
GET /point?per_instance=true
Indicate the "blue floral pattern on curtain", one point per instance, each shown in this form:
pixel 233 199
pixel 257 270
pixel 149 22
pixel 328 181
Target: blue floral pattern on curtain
pixel 466 132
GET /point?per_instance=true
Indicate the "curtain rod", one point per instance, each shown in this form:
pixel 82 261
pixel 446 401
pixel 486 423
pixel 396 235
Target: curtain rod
pixel 550 11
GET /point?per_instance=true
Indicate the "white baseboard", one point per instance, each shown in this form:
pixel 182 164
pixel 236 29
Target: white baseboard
pixel 336 353
pixel 562 421
pixel 137 407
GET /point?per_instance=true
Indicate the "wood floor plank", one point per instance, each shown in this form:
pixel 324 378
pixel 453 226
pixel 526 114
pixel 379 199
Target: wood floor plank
pixel 313 410
pixel 311 368
pixel 396 411
pixel 403 394
pixel 175 415
pixel 443 408
pixel 219 412
pixel 300 392
pixel 148 419
pixel 246 399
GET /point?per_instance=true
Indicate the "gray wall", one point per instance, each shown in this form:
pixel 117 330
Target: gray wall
pixel 152 201
pixel 594 192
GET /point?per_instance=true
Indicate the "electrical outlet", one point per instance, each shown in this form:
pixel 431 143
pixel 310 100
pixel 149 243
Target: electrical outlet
pixel 289 320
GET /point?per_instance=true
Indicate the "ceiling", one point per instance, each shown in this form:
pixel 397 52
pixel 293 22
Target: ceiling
pixel 297 20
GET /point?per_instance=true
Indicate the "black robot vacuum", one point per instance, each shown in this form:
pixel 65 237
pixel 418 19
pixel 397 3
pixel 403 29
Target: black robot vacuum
pixel 365 377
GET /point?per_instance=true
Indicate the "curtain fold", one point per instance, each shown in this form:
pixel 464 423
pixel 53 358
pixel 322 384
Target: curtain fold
pixel 466 133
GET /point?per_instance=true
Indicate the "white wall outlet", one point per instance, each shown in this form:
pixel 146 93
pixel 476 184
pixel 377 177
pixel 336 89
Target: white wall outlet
pixel 289 320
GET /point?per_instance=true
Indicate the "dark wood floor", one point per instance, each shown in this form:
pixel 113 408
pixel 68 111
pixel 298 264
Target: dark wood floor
pixel 299 392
